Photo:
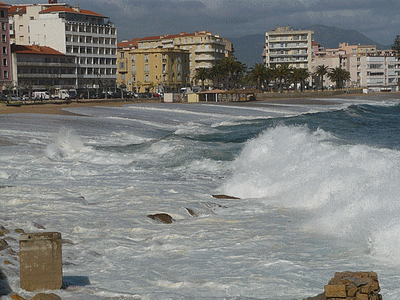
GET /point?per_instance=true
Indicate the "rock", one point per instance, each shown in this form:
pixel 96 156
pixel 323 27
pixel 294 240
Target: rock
pixel 6 262
pixel 162 218
pixel 353 285
pixel 17 297
pixel 191 212
pixel 3 231
pixel 42 296
pixel 19 230
pixel 318 297
pixel 3 245
pixel 225 197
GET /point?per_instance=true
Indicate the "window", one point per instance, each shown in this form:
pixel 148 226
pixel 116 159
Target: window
pixel 146 58
pixel 5 63
pixel 123 76
pixel 2 13
pixel 3 26
pixel 4 38
pixel 133 58
pixel 5 74
pixel 122 54
pixel 146 68
pixel 4 50
pixel 122 65
pixel 147 78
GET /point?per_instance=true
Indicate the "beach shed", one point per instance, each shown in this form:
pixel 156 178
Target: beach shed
pixel 213 95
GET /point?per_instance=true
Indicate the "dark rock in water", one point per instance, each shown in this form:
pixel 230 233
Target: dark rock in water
pixel 3 245
pixel 38 226
pixel 3 231
pixel 225 197
pixel 42 296
pixel 318 297
pixel 191 212
pixel 162 218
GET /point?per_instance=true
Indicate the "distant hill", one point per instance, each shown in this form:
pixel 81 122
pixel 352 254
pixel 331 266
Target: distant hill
pixel 330 37
pixel 249 48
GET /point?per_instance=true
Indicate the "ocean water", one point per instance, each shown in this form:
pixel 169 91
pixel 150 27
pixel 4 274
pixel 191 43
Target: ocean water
pixel 318 186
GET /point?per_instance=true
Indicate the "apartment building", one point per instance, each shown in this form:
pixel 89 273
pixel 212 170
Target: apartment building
pixel 37 67
pixel 283 45
pixel 204 48
pixel 369 68
pixel 151 69
pixel 380 71
pixel 89 36
pixel 5 52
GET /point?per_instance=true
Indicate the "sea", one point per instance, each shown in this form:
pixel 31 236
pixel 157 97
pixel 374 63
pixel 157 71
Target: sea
pixel 313 189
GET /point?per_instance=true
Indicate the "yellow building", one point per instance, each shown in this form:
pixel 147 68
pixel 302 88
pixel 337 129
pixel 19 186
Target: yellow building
pixel 200 50
pixel 151 69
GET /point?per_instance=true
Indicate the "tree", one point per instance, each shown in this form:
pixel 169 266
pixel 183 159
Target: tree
pixel 282 73
pixel 233 70
pixel 320 72
pixel 258 74
pixel 339 76
pixel 202 75
pixel 216 74
pixel 396 45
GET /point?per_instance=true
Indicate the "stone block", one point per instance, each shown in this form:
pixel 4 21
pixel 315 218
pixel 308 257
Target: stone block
pixel 362 296
pixel 335 291
pixel 40 261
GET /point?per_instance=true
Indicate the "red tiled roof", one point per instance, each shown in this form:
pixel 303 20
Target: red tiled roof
pixel 71 10
pixel 128 44
pixel 15 9
pixel 34 49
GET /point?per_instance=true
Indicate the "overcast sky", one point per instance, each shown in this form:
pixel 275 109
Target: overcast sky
pixel 379 20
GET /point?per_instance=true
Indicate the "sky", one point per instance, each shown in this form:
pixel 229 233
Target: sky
pixel 378 20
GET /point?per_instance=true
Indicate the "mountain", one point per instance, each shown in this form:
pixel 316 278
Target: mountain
pixel 330 37
pixel 249 48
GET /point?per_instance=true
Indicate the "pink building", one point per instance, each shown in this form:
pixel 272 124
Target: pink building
pixel 5 51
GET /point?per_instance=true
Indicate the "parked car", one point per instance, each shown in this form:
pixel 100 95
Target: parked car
pixel 15 98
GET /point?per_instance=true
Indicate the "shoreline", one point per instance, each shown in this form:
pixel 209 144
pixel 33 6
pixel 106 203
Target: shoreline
pixel 55 108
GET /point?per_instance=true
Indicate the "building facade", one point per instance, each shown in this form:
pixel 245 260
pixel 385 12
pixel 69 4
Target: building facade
pixel 369 68
pixel 5 51
pixel 204 48
pixel 152 69
pixel 40 67
pixel 87 35
pixel 283 45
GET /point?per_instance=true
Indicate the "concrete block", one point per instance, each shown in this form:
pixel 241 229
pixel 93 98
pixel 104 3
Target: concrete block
pixel 40 261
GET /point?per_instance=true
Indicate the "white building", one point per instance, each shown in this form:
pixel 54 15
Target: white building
pixel 380 72
pixel 90 36
pixel 287 46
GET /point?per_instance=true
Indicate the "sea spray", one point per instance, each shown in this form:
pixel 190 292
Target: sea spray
pixel 351 189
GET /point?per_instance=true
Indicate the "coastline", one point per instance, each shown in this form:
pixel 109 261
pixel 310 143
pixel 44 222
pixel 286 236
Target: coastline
pixel 284 99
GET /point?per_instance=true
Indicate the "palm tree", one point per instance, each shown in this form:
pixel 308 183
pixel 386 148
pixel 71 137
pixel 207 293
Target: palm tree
pixel 282 73
pixel 216 74
pixel 258 74
pixel 339 76
pixel 233 70
pixel 320 72
pixel 202 74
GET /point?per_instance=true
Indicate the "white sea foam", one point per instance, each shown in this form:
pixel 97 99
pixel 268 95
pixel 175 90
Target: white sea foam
pixel 353 190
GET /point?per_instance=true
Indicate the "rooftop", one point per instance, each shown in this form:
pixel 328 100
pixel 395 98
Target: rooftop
pixel 34 49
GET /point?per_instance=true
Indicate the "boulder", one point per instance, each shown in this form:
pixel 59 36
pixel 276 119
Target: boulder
pixel 17 297
pixel 191 212
pixel 3 244
pixel 3 231
pixel 42 296
pixel 162 218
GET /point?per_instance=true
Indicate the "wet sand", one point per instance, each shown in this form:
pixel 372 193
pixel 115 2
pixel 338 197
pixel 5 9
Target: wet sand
pixel 57 109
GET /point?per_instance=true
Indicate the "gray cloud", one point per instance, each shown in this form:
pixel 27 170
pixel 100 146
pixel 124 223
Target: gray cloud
pixel 378 20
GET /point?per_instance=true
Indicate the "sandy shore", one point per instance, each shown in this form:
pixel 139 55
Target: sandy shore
pixel 57 109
